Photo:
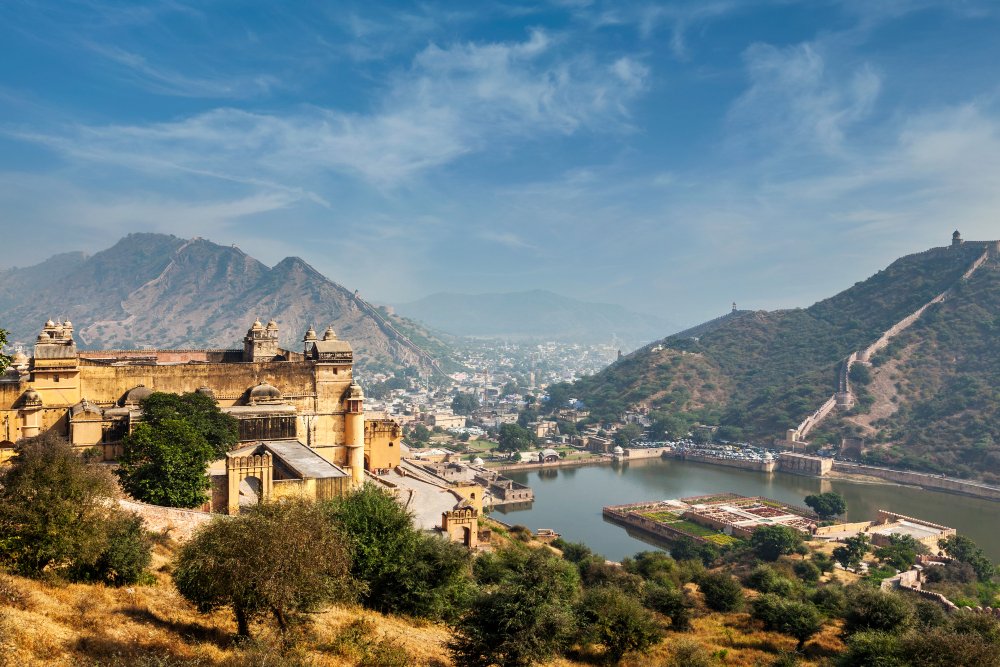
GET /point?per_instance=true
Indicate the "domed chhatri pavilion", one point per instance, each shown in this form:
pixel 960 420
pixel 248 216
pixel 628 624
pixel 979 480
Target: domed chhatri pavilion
pixel 302 427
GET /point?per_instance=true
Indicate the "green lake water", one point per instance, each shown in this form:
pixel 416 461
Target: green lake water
pixel 569 500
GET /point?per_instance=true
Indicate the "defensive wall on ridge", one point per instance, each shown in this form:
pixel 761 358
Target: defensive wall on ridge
pixel 843 397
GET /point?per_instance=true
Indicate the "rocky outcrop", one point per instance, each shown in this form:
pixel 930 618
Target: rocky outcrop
pixel 161 291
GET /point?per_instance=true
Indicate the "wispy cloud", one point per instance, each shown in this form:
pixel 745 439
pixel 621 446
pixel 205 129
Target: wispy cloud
pixel 165 81
pixel 451 102
pixel 794 98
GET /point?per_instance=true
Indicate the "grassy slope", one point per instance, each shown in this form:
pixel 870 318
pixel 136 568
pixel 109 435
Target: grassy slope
pixel 771 369
pixel 82 624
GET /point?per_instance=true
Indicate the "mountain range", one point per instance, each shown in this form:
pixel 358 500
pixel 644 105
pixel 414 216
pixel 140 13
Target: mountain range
pixel 156 290
pixel 534 314
pixel 928 400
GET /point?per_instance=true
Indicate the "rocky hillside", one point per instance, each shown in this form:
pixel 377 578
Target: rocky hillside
pixel 162 291
pixel 928 401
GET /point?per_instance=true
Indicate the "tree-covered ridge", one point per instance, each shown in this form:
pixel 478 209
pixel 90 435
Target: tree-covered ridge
pixel 772 369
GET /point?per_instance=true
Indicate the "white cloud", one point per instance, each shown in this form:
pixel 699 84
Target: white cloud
pixel 451 102
pixel 795 99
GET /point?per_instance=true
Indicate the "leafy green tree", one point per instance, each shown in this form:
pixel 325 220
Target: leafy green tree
pixel 126 556
pixel 901 551
pixel 766 580
pixel 219 430
pixel 807 571
pixel 771 542
pixel 874 609
pixel 514 438
pixel 419 435
pixel 687 549
pixel 399 569
pixel 521 615
pixel 616 620
pixel 721 591
pixel 284 559
pixel 464 404
pixel 4 359
pixel 798 619
pixel 827 505
pixel 873 649
pixel 510 389
pixel 56 511
pixel 164 458
pixel 852 551
pixel 964 550
pixel 626 434
pixel 670 602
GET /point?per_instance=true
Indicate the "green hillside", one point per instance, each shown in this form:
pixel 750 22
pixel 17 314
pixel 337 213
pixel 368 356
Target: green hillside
pixel 769 370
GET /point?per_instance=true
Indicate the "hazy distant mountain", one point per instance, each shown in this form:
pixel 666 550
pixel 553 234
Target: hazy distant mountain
pixel 163 291
pixel 532 314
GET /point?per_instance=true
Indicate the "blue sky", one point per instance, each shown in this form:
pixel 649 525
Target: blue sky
pixel 671 157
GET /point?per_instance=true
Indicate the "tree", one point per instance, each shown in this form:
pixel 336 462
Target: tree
pixel 798 619
pixel 126 556
pixel 901 551
pixel 618 621
pixel 510 389
pixel 55 509
pixel 850 553
pixel 807 571
pixel 164 458
pixel 399 569
pixel 827 505
pixel 284 559
pixel 874 609
pixel 521 615
pixel 4 359
pixel 771 542
pixel 626 434
pixel 514 438
pixel 721 591
pixel 464 404
pixel 964 550
pixel 420 435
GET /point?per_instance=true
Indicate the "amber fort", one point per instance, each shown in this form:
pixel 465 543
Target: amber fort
pixel 302 426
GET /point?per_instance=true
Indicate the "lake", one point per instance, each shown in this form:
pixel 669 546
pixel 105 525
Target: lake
pixel 569 500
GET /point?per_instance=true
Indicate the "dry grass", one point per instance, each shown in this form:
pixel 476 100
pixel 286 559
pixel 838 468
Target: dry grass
pixel 151 626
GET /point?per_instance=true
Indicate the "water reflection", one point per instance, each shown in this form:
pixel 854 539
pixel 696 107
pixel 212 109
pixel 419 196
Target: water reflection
pixel 569 500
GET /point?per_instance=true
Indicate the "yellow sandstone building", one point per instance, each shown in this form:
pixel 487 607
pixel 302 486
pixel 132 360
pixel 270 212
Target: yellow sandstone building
pixel 302 427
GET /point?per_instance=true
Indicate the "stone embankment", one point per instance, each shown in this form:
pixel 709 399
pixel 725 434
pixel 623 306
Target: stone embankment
pixel 923 480
pixel 843 396
pixel 562 463
pixel 755 465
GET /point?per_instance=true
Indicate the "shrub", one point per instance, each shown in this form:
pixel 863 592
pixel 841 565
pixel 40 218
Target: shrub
pixel 771 542
pixel 872 649
pixel 800 620
pixel 807 571
pixel 689 653
pixel 873 609
pixel 521 613
pixel 126 555
pixel 764 579
pixel 617 621
pixel 830 599
pixel 721 591
pixel 671 603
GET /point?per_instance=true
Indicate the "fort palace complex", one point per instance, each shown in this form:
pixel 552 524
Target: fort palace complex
pixel 302 427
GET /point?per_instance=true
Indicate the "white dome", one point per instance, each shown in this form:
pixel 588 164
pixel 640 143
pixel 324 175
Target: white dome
pixel 477 461
pixel 618 450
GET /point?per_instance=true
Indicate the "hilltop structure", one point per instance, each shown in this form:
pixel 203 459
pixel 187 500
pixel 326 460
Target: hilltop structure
pixel 302 427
